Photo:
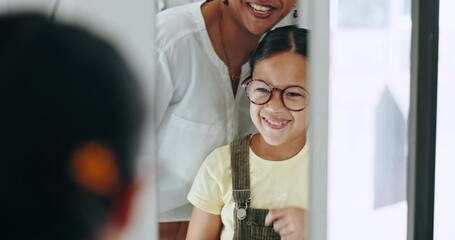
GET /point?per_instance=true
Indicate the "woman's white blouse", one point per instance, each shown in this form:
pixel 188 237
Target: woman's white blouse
pixel 194 106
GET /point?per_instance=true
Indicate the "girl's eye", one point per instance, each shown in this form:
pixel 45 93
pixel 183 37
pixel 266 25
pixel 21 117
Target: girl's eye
pixel 262 90
pixel 293 94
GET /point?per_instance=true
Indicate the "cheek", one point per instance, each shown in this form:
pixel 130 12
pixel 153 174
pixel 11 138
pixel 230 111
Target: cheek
pixel 303 119
pixel 307 122
pixel 307 116
pixel 254 113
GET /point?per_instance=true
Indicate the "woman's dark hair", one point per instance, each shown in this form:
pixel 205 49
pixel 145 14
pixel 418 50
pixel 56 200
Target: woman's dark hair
pixel 283 39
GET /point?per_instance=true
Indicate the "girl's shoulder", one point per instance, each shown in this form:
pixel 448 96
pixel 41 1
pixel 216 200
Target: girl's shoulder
pixel 219 160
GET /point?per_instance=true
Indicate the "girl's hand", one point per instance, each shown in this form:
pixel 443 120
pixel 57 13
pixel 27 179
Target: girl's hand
pixel 288 222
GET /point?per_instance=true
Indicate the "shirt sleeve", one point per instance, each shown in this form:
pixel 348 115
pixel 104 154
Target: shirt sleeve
pixel 159 93
pixel 205 192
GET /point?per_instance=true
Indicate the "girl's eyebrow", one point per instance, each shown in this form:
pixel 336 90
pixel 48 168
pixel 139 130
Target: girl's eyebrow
pixel 292 85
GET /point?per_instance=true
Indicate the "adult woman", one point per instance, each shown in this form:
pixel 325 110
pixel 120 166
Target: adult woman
pixel 202 51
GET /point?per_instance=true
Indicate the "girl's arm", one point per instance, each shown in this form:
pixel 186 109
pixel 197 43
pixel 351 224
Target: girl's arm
pixel 204 226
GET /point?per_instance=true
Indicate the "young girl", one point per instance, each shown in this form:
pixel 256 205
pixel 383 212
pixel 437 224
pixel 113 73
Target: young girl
pixel 256 187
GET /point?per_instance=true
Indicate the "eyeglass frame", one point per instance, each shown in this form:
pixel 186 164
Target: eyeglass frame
pixel 250 79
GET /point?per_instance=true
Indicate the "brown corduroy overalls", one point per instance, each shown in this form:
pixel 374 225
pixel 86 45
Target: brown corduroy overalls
pixel 249 222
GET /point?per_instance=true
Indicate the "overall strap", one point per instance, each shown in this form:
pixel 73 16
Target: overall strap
pixel 240 169
pixel 248 222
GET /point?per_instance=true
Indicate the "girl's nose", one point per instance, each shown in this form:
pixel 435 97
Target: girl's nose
pixel 276 104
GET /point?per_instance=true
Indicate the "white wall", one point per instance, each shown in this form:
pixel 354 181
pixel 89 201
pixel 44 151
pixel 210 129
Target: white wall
pixel 11 6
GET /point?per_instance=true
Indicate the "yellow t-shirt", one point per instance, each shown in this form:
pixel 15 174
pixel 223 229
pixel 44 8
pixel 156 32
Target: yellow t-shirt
pixel 274 184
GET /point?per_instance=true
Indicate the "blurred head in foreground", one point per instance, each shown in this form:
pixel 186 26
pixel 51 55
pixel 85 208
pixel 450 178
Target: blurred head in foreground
pixel 70 121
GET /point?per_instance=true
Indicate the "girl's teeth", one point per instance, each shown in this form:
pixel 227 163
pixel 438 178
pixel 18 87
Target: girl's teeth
pixel 278 123
pixel 259 8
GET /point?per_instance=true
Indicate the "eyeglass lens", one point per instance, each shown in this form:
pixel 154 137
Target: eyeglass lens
pixel 294 98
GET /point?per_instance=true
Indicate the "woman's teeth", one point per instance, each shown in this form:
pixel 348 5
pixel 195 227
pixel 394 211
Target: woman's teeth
pixel 259 8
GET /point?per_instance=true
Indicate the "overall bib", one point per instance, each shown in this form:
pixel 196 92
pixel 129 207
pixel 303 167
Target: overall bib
pixel 249 222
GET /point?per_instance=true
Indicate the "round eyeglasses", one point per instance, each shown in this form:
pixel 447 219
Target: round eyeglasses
pixel 294 98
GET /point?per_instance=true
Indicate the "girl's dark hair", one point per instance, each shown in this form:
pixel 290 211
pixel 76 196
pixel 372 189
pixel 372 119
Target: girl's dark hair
pixel 283 39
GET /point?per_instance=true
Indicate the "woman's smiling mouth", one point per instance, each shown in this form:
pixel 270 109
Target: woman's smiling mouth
pixel 260 11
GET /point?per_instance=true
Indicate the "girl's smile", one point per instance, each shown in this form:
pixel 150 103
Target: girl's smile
pixel 275 123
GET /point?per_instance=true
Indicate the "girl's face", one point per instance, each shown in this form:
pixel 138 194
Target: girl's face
pixel 259 16
pixel 275 122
